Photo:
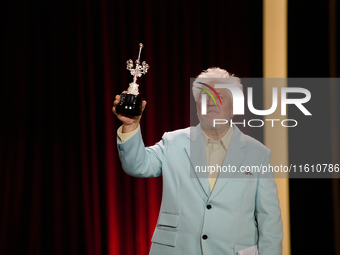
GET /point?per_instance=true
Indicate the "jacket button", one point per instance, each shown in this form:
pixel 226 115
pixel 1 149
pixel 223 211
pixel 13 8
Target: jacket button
pixel 205 237
pixel 208 207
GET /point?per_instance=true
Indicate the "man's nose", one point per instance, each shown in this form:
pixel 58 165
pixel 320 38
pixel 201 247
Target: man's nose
pixel 210 101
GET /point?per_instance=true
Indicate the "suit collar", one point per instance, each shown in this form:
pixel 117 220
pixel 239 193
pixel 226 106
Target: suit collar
pixel 238 137
pixel 195 132
pixel 234 158
pixel 196 153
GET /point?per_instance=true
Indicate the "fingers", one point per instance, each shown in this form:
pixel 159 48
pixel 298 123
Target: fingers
pixel 143 105
pixel 114 111
pixel 116 101
pixel 117 98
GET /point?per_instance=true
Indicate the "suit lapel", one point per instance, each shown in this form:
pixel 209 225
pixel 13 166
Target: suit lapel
pixel 234 158
pixel 196 154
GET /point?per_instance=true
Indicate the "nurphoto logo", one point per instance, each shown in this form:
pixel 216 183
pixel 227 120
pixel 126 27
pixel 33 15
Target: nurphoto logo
pixel 238 104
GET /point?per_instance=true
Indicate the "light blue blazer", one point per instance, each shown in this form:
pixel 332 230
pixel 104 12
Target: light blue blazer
pixel 239 212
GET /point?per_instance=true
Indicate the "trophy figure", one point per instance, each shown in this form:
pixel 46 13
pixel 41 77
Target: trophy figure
pixel 130 103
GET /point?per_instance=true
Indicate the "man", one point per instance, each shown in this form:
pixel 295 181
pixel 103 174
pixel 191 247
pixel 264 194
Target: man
pixel 204 212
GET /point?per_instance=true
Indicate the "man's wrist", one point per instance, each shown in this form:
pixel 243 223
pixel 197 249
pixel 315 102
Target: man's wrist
pixel 129 128
pixel 123 137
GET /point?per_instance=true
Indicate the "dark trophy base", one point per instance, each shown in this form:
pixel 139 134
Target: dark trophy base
pixel 130 105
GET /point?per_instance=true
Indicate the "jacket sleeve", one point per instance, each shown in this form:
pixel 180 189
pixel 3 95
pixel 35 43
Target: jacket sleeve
pixel 268 214
pixel 140 161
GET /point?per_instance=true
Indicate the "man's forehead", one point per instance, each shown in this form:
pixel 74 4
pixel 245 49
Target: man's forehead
pixel 213 83
pixel 220 90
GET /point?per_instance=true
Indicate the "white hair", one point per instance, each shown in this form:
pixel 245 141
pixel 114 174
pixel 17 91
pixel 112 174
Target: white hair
pixel 215 74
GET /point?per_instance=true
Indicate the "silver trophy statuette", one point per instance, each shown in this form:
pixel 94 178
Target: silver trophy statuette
pixel 130 103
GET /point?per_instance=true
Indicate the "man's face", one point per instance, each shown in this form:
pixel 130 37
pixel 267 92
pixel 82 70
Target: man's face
pixel 218 111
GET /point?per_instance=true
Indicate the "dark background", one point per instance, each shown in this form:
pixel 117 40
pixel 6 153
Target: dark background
pixel 62 189
pixel 311 200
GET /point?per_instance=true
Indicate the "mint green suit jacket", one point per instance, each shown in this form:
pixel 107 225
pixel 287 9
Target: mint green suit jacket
pixel 242 210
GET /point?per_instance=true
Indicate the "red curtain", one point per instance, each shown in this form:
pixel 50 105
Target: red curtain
pixel 62 187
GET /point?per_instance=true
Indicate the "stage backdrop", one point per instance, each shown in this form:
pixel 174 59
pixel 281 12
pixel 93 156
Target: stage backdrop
pixel 62 188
